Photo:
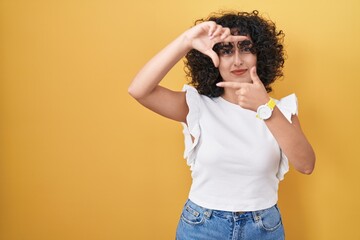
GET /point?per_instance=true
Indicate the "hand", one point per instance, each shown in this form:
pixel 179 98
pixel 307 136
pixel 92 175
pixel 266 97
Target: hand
pixel 249 95
pixel 205 35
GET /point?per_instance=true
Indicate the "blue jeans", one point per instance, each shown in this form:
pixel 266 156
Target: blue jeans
pixel 198 223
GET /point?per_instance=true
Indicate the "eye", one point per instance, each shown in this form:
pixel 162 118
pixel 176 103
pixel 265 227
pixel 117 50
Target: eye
pixel 246 49
pixel 226 51
pixel 245 46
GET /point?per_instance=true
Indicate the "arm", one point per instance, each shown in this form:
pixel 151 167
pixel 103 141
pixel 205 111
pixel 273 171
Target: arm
pixel 145 89
pixel 292 141
pixel 145 86
pixel 289 136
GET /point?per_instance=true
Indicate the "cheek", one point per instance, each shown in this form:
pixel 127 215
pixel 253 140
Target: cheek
pixel 222 73
pixel 251 61
pixel 225 62
pixel 254 60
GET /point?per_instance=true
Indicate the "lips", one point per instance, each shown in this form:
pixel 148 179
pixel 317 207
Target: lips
pixel 238 72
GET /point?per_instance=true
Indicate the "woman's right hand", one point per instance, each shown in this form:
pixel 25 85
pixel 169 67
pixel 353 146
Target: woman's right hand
pixel 205 35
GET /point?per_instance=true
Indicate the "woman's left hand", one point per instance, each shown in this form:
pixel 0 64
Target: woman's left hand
pixel 249 95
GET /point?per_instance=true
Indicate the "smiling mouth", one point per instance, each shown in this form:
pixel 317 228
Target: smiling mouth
pixel 239 72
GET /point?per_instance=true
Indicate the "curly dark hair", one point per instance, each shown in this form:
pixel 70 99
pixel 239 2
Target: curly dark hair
pixel 267 45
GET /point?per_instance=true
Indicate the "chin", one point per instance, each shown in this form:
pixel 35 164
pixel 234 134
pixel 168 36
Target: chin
pixel 242 80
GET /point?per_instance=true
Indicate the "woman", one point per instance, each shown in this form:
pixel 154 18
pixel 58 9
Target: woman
pixel 238 140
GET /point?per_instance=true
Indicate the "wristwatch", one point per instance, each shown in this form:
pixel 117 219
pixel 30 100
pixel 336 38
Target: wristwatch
pixel 265 111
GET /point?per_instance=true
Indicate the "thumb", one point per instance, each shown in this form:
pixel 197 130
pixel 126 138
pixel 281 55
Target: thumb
pixel 254 77
pixel 214 57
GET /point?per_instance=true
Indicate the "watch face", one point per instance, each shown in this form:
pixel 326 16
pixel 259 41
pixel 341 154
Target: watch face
pixel 264 112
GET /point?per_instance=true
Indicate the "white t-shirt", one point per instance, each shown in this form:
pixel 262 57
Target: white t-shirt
pixel 236 162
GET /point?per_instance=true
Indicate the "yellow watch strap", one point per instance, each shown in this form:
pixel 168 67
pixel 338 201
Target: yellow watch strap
pixel 271 103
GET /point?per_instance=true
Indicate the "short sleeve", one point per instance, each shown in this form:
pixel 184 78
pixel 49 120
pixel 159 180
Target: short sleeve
pixel 192 128
pixel 283 167
pixel 288 106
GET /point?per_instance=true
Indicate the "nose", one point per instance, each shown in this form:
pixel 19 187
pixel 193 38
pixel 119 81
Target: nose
pixel 237 58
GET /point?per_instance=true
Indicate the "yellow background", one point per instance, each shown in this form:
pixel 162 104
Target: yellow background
pixel 80 159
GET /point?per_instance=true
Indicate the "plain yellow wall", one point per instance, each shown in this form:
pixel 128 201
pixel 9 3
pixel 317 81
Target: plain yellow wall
pixel 81 160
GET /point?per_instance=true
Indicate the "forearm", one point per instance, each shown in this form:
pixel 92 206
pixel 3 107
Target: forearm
pixel 292 141
pixel 155 70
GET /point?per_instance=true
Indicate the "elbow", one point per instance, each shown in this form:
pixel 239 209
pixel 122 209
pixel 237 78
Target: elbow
pixel 307 171
pixel 139 92
pixel 134 92
pixel 309 168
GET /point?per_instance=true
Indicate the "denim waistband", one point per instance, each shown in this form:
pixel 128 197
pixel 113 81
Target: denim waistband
pixel 226 214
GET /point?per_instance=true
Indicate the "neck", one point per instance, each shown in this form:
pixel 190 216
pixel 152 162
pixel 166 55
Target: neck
pixel 230 96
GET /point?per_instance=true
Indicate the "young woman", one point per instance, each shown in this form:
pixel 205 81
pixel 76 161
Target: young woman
pixel 238 140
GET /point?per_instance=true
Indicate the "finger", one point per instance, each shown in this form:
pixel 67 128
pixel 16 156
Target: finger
pixel 225 33
pixel 212 27
pixel 217 31
pixel 232 38
pixel 254 77
pixel 233 85
pixel 214 57
pixel 241 91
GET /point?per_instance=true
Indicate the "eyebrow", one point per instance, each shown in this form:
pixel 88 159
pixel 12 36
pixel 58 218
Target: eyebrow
pixel 230 45
pixel 245 43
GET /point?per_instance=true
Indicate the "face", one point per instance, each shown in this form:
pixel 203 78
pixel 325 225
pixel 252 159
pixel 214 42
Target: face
pixel 236 60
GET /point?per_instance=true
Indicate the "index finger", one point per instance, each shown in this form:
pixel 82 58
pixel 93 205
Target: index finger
pixel 234 85
pixel 237 38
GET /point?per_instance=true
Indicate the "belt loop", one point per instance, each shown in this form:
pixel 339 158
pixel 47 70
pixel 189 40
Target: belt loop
pixel 256 216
